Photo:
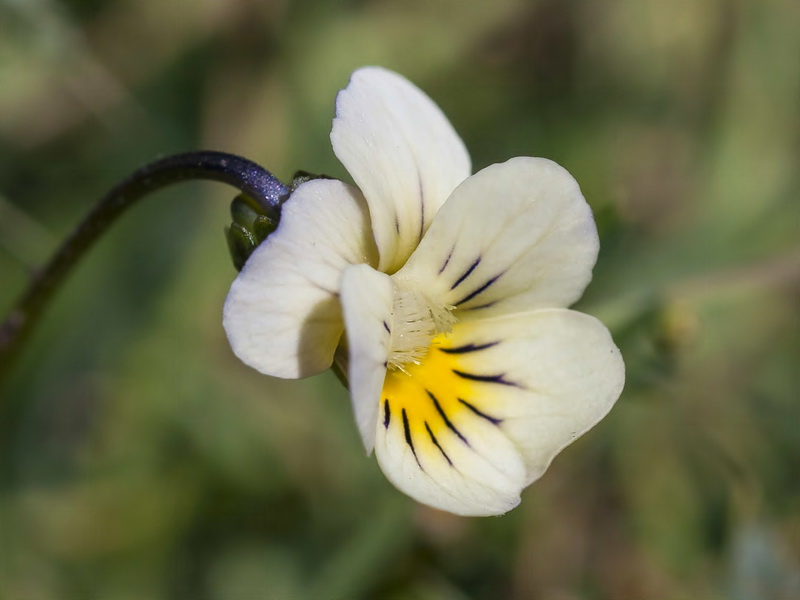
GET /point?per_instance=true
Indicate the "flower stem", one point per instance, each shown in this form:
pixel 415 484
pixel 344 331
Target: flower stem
pixel 251 179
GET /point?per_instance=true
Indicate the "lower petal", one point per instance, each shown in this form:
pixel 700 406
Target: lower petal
pixel 483 415
pixel 434 443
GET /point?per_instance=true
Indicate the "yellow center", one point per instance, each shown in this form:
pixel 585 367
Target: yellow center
pixel 436 402
pixel 414 388
pixel 429 393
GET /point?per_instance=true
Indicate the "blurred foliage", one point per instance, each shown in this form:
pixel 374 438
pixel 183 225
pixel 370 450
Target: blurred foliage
pixel 139 459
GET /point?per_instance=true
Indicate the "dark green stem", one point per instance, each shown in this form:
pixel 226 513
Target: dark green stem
pixel 254 181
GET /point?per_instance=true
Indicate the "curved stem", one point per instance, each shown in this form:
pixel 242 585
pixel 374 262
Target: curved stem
pixel 255 181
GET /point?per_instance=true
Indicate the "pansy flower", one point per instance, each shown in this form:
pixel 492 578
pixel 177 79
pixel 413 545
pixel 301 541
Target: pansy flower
pixel 441 295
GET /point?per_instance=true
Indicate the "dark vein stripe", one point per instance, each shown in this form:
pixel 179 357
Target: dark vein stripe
pixel 480 413
pixel 437 444
pixel 447 260
pixel 387 413
pixel 386 327
pixel 466 274
pixel 479 290
pixel 480 306
pixel 468 348
pixel 396 223
pixel 485 378
pixel 447 422
pixel 409 441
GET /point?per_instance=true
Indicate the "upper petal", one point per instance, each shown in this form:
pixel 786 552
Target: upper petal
pixel 514 236
pixel 403 154
pixel 282 314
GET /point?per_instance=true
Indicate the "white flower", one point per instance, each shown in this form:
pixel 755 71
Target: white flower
pixel 466 371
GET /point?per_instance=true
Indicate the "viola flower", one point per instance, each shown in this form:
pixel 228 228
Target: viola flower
pixel 442 295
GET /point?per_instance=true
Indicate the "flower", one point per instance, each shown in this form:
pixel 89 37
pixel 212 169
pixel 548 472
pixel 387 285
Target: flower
pixel 443 298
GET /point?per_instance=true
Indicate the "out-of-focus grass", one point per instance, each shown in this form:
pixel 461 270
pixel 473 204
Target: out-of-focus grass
pixel 139 459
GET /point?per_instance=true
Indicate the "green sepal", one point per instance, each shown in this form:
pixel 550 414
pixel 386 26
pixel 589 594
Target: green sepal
pixel 250 227
pixel 303 176
pixel 241 244
pixel 262 227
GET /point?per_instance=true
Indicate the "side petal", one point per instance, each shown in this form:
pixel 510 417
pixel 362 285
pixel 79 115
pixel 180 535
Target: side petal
pixel 403 154
pixel 367 297
pixel 513 237
pixel 282 314
pixel 544 377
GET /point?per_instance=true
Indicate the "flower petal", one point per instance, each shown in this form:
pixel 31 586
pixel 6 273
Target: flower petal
pixel 432 447
pixel 367 297
pixel 491 405
pixel 436 448
pixel 282 314
pixel 515 236
pixel 545 377
pixel 403 154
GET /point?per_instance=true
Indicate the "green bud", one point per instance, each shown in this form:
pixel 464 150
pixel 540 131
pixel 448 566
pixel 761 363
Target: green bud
pixel 251 226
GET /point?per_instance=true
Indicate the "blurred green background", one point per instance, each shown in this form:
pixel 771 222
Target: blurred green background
pixel 140 460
